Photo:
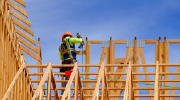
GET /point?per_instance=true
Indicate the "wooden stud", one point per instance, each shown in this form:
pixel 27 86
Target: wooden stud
pixel 42 81
pixel 76 86
pixel 87 69
pixel 145 70
pixel 49 86
pixel 156 88
pixel 175 83
pixel 70 81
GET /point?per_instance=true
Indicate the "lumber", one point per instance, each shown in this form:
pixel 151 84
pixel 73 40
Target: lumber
pixel 156 88
pixel 24 27
pixel 24 35
pixel 70 81
pixel 14 81
pixel 18 8
pixel 98 82
pixel 23 3
pixel 54 85
pixel 80 52
pixel 87 69
pixel 145 69
pixel 30 52
pixel 42 81
pixel 76 85
pixel 49 86
pixel 29 45
pixel 18 16
pixel 175 83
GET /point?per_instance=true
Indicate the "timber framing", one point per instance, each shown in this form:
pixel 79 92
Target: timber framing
pixel 111 79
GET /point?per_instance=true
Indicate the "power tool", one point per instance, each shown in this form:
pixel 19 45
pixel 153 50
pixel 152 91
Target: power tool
pixel 82 43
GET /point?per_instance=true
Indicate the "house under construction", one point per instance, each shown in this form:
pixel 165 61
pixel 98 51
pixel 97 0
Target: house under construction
pixel 116 78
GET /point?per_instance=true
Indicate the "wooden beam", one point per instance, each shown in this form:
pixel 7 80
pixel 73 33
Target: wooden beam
pixel 70 81
pixel 80 52
pixel 145 69
pixel 14 81
pixel 88 61
pixel 81 88
pixel 49 86
pixel 29 45
pixel 156 88
pixel 166 68
pixel 18 8
pixel 101 60
pixel 30 52
pixel 96 92
pixel 24 27
pixel 21 2
pixel 54 85
pixel 18 16
pixel 121 60
pixel 127 82
pixel 49 67
pixel 95 41
pixel 175 83
pixel 76 85
pixel 24 35
pixel 173 41
pixel 119 41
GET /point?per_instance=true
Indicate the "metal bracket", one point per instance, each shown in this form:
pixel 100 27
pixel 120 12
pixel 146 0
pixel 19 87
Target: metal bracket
pixel 88 42
pixel 129 43
pixel 105 43
pixel 112 42
pixel 141 43
pixel 167 42
pixel 157 42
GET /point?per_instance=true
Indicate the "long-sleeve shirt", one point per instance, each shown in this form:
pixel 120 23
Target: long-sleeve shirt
pixel 72 41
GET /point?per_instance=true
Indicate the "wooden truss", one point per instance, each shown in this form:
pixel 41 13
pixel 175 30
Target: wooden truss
pixel 16 82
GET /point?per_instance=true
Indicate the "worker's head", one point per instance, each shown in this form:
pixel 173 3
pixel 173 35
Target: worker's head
pixel 67 34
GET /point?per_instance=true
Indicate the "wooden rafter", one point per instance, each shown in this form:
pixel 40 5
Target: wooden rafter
pixel 70 81
pixel 37 92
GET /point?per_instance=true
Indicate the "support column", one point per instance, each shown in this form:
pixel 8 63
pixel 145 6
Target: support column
pixel 87 69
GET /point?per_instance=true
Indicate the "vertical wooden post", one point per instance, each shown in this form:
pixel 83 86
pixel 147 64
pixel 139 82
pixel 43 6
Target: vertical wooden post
pixel 76 86
pixel 49 86
pixel 1 52
pixel 87 69
pixel 102 95
pixel 136 61
pixel 112 61
pixel 156 88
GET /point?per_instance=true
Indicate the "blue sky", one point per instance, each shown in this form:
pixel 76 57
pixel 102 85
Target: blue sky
pixel 102 19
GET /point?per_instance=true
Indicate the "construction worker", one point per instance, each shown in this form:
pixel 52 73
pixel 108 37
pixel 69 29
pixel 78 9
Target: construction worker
pixel 67 53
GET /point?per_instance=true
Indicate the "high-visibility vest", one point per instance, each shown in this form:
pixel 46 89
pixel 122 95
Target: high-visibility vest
pixel 69 49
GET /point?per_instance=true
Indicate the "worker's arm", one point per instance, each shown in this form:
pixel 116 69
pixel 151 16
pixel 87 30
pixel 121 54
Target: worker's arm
pixel 75 40
pixel 60 55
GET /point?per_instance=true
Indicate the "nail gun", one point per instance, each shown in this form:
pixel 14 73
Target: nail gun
pixel 82 43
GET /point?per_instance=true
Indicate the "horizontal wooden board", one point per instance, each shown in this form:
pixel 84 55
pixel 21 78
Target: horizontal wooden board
pixel 24 35
pixel 18 8
pixel 21 2
pixel 24 27
pixel 29 45
pixel 30 53
pixel 18 16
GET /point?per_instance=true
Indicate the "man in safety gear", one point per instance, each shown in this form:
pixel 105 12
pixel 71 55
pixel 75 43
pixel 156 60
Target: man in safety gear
pixel 67 53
